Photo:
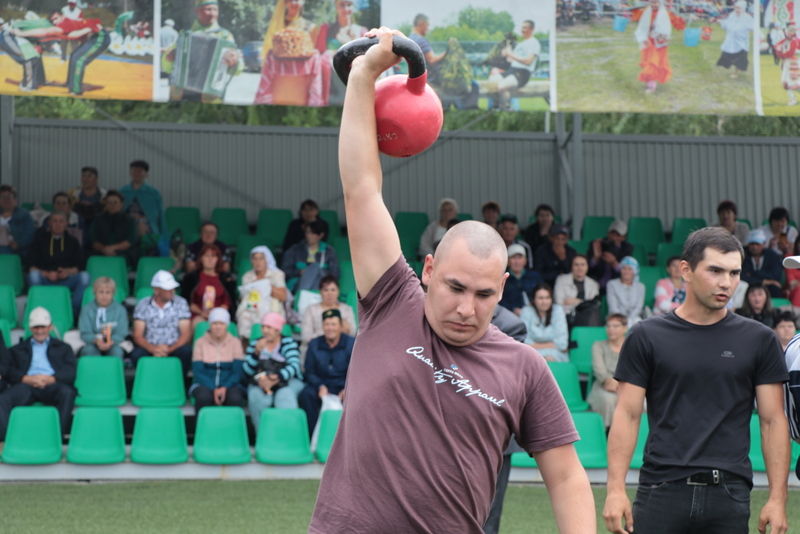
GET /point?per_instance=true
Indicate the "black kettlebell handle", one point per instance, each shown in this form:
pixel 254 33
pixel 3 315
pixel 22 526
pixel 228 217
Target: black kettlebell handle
pixel 402 46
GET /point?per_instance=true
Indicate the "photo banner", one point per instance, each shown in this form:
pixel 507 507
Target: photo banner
pixel 727 57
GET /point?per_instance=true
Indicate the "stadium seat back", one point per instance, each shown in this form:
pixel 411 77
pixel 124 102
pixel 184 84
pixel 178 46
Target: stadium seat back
pixel 56 300
pixel 342 246
pixel 8 305
pixel 756 454
pixel 283 437
pixel 410 226
pixel 159 437
pixel 5 329
pixel 33 436
pixel 97 436
pixel 782 303
pixel 591 448
pixel 650 276
pixel 347 281
pixel 232 223
pixel 113 267
pixel 332 218
pixel 158 382
pixel 183 218
pixel 202 327
pixel 645 233
pixel 683 226
pixel 100 381
pixel 521 459
pixel 221 436
pixel 146 268
pixel 595 227
pixel 566 375
pixel 638 453
pixel 11 272
pixel 244 244
pixel 328 425
pixel 665 251
pixel 584 337
pixel 272 225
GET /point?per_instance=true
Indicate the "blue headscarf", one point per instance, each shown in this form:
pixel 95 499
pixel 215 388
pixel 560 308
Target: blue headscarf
pixel 630 261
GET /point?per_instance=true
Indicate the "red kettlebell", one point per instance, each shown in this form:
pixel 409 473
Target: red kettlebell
pixel 407 111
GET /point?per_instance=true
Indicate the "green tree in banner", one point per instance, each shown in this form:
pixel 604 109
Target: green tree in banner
pixel 486 19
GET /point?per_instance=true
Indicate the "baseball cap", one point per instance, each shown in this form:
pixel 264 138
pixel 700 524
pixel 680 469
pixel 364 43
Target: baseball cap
pixel 164 280
pixel 333 312
pixel 619 226
pixel 39 317
pixel 756 236
pixel 791 262
pixel 515 249
pixel 274 320
pixel 557 229
pixel 219 315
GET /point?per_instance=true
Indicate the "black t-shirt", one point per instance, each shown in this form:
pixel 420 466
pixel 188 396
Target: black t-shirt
pixel 700 382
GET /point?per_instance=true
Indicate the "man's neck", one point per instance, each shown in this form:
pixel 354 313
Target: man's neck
pixel 694 312
pixel 89 191
pixel 333 342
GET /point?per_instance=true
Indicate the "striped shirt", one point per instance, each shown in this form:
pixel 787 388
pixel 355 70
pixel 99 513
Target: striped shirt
pixel 287 350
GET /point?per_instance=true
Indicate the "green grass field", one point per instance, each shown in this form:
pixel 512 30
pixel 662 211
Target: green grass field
pixel 598 68
pixel 270 506
pixel 773 96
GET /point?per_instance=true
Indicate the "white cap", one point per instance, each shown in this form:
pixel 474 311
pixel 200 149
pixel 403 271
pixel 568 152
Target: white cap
pixel 219 315
pixel 515 249
pixel 164 280
pixel 169 22
pixel 39 317
pixel 756 236
pixel 791 262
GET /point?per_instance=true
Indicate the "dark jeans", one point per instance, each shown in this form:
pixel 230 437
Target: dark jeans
pixel 679 508
pixel 184 352
pixel 492 525
pixel 60 395
pixel 203 396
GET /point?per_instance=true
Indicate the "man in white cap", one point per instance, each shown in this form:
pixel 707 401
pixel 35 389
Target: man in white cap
pixel 39 368
pixel 762 265
pixel 161 324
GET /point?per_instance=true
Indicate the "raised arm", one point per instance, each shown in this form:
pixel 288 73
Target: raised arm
pixel 374 243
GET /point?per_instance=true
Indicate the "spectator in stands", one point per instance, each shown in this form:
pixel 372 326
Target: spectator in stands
pixel 578 294
pixel 546 325
pixel 16 224
pixel 785 327
pixel 626 294
pixel 263 290
pixel 217 361
pixel 779 233
pixel 296 232
pixel 605 355
pixel 63 204
pixel 726 211
pixel 56 259
pixel 143 202
pixel 161 323
pixel 670 291
pixel 520 281
pixel 509 231
pixel 448 210
pixel 327 359
pixel 490 212
pixel 758 306
pixel 310 260
pixel 538 233
pixel 272 368
pixel 208 287
pixel 312 315
pixel 793 280
pixel 556 257
pixel 39 368
pixel 87 200
pixel 113 233
pixel 103 321
pixel 762 265
pixel 209 233
pixel 606 253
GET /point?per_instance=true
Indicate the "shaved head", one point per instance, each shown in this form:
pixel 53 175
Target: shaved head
pixel 481 239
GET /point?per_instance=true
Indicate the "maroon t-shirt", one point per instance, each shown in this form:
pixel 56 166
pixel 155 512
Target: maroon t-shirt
pixel 425 425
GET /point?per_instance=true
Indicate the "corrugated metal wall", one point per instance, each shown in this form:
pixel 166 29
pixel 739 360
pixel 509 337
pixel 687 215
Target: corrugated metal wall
pixel 278 167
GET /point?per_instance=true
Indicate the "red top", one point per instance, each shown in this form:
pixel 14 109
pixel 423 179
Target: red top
pixel 70 25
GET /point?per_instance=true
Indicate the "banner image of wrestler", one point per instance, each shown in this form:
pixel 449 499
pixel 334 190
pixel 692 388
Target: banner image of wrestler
pixel 482 54
pixel 248 52
pixel 780 65
pixel 77 48
pixel 657 56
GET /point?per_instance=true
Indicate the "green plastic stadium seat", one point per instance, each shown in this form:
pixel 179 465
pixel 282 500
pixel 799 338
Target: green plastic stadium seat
pixel 756 452
pixel 584 337
pixel 595 226
pixel 332 218
pixel 100 381
pixel 463 216
pixel 591 448
pixel 203 326
pixel 566 376
pixel 232 223
pixel 645 233
pixel 328 425
pixel 244 244
pixel 55 299
pixel 683 226
pixel 143 293
pixel 580 246
pixel 97 436
pixel 5 329
pixel 746 221
pixel 8 305
pixel 33 436
pixel 11 272
pixel 347 282
pixel 159 437
pixel 521 459
pixel 781 303
pixel 649 276
pixel 183 218
pixel 283 437
pixel 158 382
pixel 146 268
pixel 112 266
pixel 638 453
pixel 410 226
pixel 342 246
pixel 665 251
pixel 221 436
pixel 272 225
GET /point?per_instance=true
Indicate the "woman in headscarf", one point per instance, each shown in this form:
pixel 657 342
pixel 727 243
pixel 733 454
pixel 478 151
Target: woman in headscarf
pixel 653 34
pixel 626 294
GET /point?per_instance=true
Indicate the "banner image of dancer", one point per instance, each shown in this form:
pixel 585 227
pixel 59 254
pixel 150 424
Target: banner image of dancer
pixel 481 54
pixel 657 56
pixel 275 52
pixel 780 65
pixel 69 48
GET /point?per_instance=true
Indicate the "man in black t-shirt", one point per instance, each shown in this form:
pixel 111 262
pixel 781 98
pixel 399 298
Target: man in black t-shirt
pixel 700 369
